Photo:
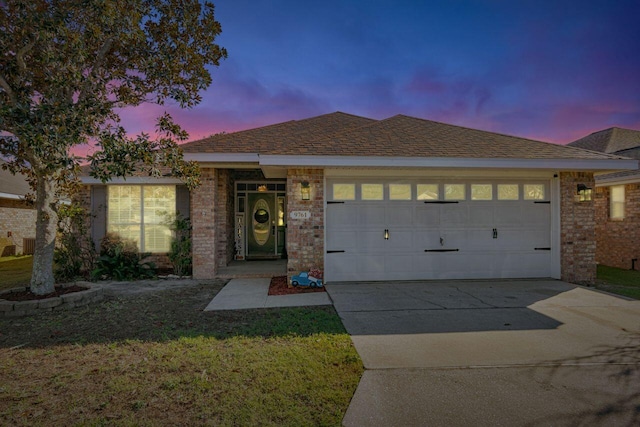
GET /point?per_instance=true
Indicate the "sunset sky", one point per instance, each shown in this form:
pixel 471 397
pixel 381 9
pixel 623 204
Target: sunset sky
pixel 552 70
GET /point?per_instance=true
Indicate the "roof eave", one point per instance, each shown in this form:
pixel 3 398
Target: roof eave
pixel 607 182
pixel 449 162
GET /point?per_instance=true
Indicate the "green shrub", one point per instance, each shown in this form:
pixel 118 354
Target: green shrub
pixel 120 260
pixel 180 252
pixel 75 254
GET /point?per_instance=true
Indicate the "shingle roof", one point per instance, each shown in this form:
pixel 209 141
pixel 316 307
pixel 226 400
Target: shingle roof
pixel 340 134
pixel 15 185
pixel 278 138
pixel 610 140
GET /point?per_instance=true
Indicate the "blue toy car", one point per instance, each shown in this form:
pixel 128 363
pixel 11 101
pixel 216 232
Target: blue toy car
pixel 303 279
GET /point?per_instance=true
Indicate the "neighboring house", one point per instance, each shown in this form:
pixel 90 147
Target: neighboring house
pixel 362 199
pixel 617 199
pixel 17 216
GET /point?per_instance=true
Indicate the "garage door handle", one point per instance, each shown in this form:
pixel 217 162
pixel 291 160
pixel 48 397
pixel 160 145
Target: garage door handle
pixel 495 233
pixel 442 250
pixel 335 252
pixel 441 202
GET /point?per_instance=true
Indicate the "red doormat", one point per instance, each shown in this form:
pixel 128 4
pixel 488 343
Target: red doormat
pixel 279 286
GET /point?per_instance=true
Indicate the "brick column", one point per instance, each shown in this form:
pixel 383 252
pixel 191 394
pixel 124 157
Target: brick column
pixel 305 237
pixel 577 230
pixel 224 217
pixel 203 233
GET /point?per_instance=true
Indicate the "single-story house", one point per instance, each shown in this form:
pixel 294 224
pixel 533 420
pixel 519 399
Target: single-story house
pixel 17 215
pixel 363 199
pixel 617 199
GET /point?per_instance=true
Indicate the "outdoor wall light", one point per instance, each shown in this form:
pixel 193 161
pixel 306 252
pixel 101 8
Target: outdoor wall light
pixel 305 190
pixel 584 193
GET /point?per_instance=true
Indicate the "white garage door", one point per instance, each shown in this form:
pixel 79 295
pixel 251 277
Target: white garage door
pixel 437 229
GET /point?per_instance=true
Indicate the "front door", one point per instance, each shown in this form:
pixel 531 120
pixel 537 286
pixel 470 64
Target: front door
pixel 261 226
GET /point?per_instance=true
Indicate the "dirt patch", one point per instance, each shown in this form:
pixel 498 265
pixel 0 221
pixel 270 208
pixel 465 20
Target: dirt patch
pixel 27 295
pixel 279 286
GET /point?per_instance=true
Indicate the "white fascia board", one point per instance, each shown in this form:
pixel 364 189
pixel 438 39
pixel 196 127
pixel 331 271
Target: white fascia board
pixel 448 162
pixel 131 180
pixel 635 179
pixel 223 157
pixel 11 196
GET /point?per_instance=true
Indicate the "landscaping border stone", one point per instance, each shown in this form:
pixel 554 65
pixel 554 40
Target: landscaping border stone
pixel 63 302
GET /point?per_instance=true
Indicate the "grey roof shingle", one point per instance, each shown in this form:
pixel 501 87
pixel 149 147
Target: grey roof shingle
pixel 340 134
pixel 610 140
pixel 15 185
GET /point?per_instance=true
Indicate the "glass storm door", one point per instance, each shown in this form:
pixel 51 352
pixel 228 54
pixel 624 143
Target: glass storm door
pixel 261 225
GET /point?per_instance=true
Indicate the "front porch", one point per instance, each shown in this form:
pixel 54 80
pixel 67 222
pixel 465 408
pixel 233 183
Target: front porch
pixel 243 224
pixel 249 269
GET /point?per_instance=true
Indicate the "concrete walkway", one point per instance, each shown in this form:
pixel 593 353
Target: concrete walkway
pixel 240 294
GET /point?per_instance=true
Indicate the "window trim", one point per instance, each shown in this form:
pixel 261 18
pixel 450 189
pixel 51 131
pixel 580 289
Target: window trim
pixel 140 241
pixel 622 203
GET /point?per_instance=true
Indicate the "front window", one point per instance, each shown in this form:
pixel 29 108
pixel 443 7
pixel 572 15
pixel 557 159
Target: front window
pixel 141 213
pixel 617 202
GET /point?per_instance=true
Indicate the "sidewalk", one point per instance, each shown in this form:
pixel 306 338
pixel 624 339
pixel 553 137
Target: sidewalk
pixel 240 294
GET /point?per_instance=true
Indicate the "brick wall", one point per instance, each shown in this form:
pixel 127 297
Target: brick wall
pixel 203 225
pixel 18 218
pixel 618 241
pixel 305 237
pixel 224 218
pixel 577 230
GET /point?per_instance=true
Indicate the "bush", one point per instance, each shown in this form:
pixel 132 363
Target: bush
pixel 120 260
pixel 180 252
pixel 75 254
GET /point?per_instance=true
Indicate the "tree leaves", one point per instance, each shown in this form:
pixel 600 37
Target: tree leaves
pixel 66 65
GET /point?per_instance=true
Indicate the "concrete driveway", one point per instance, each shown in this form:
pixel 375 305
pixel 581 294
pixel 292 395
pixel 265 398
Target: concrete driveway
pixel 529 352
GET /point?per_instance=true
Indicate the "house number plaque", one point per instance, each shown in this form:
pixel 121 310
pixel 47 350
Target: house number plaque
pixel 300 215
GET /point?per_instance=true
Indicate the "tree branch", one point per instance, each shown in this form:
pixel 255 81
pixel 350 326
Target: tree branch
pixel 99 61
pixel 10 92
pixel 20 56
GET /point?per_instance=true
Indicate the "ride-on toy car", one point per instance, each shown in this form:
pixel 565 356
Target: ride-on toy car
pixel 303 279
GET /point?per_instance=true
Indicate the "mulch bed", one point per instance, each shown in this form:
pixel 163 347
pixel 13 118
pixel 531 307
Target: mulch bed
pixel 29 296
pixel 279 286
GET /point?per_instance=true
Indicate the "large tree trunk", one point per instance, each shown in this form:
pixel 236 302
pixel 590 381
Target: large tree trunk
pixel 42 281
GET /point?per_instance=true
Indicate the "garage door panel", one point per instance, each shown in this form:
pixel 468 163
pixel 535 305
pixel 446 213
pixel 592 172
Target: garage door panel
pixel 342 240
pixel 537 213
pixel 508 215
pixel 454 215
pixel 481 215
pixel 340 215
pixel 399 240
pixel 427 216
pixel 399 265
pixel 371 215
pixel 523 264
pixel 342 267
pixel 426 239
pixel 370 267
pixel 399 215
pixel 371 241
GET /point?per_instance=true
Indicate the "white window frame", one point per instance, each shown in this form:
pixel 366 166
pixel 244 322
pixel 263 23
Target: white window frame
pixel 617 202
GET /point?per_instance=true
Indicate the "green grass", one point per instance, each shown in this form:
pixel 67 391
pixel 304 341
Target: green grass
pixel 15 271
pixel 158 359
pixel 619 281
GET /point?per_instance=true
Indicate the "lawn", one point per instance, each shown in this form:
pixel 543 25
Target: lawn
pixel 619 281
pixel 158 359
pixel 15 271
